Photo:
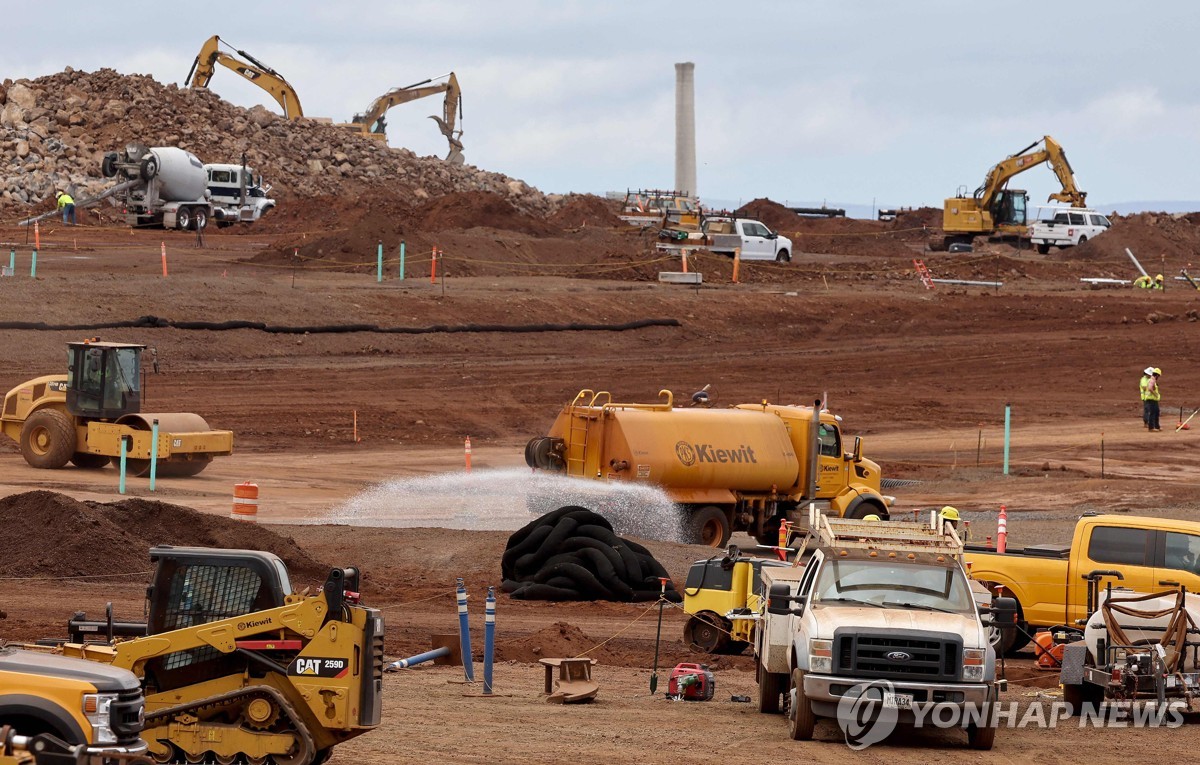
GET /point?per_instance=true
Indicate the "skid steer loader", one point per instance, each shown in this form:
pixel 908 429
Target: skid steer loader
pixel 239 669
pixel 83 417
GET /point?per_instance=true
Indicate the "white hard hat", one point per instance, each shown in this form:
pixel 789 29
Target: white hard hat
pixel 1148 371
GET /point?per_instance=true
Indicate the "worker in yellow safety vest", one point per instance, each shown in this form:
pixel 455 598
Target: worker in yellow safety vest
pixel 67 205
pixel 1150 397
pixel 1145 282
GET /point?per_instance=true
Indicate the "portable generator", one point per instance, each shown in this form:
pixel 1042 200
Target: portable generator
pixel 691 682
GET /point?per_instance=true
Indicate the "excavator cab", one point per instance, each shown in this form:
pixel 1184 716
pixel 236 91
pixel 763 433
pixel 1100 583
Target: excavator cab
pixel 103 379
pixel 1009 208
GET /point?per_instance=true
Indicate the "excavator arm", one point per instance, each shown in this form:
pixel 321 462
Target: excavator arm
pixel 1052 152
pixel 372 121
pixel 204 67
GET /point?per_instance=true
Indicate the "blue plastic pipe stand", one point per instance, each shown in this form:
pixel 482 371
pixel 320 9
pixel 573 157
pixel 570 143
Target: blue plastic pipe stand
pixel 153 452
pixel 402 261
pixel 12 262
pixel 33 266
pixel 379 263
pixel 489 639
pixel 420 658
pixel 1007 424
pixel 464 634
pixel 124 449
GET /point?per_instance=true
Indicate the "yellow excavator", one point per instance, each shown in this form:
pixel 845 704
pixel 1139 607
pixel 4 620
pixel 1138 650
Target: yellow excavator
pixel 204 67
pixel 371 122
pixel 994 209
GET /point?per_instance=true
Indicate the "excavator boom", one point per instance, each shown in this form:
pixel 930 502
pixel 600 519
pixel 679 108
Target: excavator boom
pixel 204 67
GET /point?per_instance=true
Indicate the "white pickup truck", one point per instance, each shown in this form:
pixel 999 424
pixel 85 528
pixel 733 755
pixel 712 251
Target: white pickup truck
pixel 880 625
pixel 756 241
pixel 1069 227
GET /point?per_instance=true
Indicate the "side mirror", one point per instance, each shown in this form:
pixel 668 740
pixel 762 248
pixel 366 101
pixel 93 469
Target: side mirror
pixel 1004 613
pixel 779 599
pixel 858 448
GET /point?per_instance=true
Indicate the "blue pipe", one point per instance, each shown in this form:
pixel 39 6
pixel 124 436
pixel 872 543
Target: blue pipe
pixel 33 266
pixel 379 263
pixel 401 261
pixel 420 658
pixel 464 633
pixel 124 449
pixel 489 639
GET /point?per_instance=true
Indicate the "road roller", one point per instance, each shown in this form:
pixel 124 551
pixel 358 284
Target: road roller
pixel 83 417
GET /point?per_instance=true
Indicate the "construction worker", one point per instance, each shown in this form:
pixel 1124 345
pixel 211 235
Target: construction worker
pixel 67 205
pixel 1150 397
pixel 949 516
pixel 1145 282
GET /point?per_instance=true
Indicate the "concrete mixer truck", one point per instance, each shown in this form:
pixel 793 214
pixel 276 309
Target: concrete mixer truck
pixel 746 468
pixel 170 187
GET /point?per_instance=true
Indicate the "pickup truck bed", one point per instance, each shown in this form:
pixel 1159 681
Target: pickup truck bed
pixel 1032 551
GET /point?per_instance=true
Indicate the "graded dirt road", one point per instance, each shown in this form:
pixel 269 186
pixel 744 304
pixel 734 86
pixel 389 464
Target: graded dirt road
pixel 922 375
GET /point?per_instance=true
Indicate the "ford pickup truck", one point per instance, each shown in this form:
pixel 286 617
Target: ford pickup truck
pixel 1069 227
pixel 1050 581
pixel 756 241
pixel 882 614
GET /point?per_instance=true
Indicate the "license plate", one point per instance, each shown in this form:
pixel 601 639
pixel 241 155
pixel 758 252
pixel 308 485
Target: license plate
pixel 897 700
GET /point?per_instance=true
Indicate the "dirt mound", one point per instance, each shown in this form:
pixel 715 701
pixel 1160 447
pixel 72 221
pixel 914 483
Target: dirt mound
pixel 559 640
pixel 52 535
pixel 1151 236
pixel 833 236
pixel 774 215
pixel 464 210
pixel 582 210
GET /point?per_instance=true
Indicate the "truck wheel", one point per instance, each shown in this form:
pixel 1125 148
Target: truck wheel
pixel 199 219
pixel 707 633
pixel 108 166
pixel 1012 641
pixel 148 168
pixel 48 439
pixel 183 218
pixel 771 686
pixel 89 461
pixel 1082 240
pixel 801 720
pixel 1043 249
pixel 866 507
pixel 709 526
pixel 783 257
pixel 982 737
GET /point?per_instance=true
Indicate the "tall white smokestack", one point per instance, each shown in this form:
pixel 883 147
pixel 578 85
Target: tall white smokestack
pixel 685 128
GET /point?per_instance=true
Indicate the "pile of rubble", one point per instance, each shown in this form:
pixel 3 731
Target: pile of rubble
pixel 55 130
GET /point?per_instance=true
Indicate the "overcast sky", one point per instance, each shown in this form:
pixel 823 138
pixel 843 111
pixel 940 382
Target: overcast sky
pixel 898 102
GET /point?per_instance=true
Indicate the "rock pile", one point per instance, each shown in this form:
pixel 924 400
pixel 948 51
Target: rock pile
pixel 55 130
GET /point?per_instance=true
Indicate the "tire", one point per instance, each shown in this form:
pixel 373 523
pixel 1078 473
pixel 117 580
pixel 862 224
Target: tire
pixel 89 461
pixel 783 256
pixel 801 720
pixel 1016 639
pixel 148 169
pixel 982 737
pixel 108 166
pixel 1082 240
pixel 709 526
pixel 706 632
pixel 199 219
pixel 771 686
pixel 1043 249
pixel 863 509
pixel 48 439
pixel 183 218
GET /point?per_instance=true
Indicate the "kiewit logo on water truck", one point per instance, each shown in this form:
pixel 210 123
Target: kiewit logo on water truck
pixel 690 454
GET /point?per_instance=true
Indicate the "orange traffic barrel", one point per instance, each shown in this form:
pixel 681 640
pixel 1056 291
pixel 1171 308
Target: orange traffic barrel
pixel 245 502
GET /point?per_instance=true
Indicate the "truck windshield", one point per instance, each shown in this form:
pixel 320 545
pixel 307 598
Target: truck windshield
pixel 879 583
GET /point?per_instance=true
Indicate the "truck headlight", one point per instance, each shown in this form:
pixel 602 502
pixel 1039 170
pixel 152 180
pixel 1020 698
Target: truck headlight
pixel 973 663
pixel 820 656
pixel 97 708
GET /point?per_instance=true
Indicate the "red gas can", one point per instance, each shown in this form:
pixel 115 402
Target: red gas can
pixel 691 682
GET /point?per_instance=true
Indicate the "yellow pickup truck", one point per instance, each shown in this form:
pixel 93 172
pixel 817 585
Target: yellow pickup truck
pixel 1050 581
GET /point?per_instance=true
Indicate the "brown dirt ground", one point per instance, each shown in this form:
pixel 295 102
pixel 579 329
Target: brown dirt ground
pixel 924 375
